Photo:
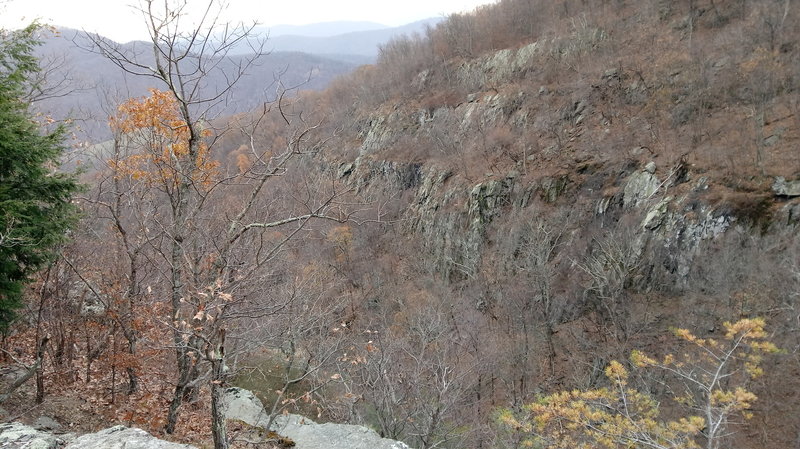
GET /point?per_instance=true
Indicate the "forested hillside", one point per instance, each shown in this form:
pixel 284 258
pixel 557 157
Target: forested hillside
pixel 542 224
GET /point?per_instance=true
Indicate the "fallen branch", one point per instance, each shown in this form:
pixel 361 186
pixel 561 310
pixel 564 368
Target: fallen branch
pixel 29 371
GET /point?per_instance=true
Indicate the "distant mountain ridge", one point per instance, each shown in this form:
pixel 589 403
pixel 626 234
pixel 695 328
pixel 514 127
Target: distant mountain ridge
pixel 95 85
pixel 322 29
pixel 311 61
pixel 341 39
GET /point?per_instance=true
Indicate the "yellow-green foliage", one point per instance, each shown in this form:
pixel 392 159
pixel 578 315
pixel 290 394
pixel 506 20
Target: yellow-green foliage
pixel 622 417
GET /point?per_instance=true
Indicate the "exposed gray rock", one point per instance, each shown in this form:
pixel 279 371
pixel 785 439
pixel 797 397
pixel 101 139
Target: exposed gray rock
pixel 791 213
pixel 121 437
pixel 782 187
pixel 498 67
pixel 309 435
pixel 47 423
pixel 650 167
pixel 486 199
pixel 391 176
pixel 383 130
pixel 19 436
pixel 701 185
pixel 376 137
pixel 602 205
pixel 655 216
pixel 452 224
pixel 552 188
pixel 345 170
pixel 244 406
pixel 640 187
pixel 681 235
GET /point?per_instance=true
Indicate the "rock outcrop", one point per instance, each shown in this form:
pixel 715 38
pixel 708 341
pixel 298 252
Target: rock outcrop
pixel 244 406
pixel 121 437
pixel 309 435
pixel 641 187
pixel 19 436
pixel 782 187
pixel 241 405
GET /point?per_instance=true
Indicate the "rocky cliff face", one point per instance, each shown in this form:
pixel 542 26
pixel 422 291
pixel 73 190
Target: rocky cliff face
pixel 455 197
pixel 453 216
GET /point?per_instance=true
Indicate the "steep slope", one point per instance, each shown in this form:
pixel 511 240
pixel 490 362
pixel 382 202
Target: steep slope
pixel 517 199
pixel 563 184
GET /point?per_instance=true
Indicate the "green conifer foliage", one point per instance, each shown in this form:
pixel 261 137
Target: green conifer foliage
pixel 35 198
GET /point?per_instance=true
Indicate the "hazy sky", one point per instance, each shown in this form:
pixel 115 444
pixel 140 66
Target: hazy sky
pixel 118 20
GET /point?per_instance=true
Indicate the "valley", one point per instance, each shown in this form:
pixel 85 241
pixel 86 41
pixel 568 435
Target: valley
pixel 540 224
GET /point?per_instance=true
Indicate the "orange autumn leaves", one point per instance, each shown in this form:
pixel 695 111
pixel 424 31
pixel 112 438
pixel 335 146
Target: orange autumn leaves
pixel 161 143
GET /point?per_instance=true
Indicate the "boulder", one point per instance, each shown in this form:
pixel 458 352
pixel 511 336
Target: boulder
pixel 48 424
pixel 309 435
pixel 121 437
pixel 244 406
pixel 782 187
pixel 18 436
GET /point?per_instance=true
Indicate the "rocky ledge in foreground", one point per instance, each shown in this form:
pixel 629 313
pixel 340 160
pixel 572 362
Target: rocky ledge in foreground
pixel 244 406
pixel 19 436
pixel 241 405
pixel 121 437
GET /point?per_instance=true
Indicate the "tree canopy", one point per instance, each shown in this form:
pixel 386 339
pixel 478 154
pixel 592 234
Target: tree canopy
pixel 35 198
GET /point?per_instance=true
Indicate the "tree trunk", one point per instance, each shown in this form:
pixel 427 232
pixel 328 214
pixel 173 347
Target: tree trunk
pixel 174 407
pixel 551 349
pixel 133 380
pixel 218 376
pixel 218 428
pixel 184 378
pixel 182 350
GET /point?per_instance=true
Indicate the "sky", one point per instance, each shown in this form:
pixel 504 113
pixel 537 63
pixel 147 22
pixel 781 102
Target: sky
pixel 120 21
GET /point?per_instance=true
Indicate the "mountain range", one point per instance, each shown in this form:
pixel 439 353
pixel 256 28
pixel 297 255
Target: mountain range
pixel 88 86
pixel 328 38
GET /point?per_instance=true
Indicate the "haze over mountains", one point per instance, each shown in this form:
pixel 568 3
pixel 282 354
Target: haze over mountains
pixel 323 29
pixel 307 57
pixel 362 39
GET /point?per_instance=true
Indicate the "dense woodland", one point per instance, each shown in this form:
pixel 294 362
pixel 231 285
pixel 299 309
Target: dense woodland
pixel 541 224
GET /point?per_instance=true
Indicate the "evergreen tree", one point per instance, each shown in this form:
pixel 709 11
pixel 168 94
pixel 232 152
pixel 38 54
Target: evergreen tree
pixel 35 199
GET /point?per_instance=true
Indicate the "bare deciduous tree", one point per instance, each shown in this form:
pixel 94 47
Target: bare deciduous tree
pixel 209 257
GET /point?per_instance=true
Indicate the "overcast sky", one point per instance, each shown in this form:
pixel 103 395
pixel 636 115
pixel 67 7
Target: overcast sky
pixel 118 20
